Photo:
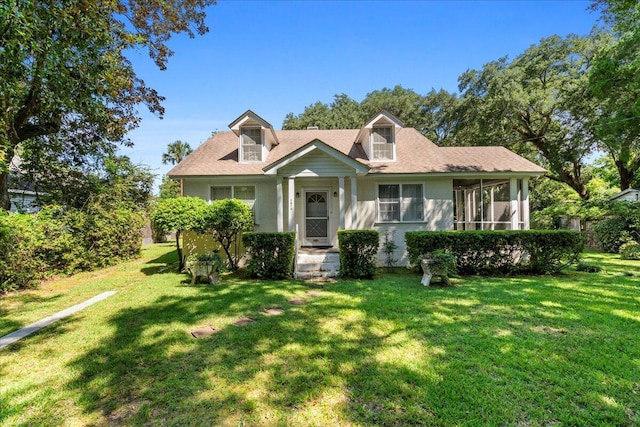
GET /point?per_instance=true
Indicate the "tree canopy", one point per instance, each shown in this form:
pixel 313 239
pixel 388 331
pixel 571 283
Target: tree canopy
pixel 615 83
pixel 176 152
pixel 427 113
pixel 177 214
pixel 64 71
pixel 539 105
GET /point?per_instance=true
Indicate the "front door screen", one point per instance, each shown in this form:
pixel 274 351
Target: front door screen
pixel 317 219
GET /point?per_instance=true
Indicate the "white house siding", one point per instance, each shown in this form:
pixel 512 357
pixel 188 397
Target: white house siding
pixel 316 164
pixel 265 206
pixel 438 201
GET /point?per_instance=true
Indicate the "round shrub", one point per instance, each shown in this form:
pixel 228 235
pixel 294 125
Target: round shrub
pixel 611 233
pixel 630 250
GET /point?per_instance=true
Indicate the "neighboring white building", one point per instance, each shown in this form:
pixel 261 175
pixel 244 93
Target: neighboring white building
pixel 383 176
pixel 23 201
pixel 629 195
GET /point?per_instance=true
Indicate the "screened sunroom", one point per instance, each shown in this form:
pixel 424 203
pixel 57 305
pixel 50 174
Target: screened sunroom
pixel 491 204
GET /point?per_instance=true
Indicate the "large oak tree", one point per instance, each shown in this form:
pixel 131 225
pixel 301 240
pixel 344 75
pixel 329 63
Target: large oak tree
pixel 538 104
pixel 615 83
pixel 64 70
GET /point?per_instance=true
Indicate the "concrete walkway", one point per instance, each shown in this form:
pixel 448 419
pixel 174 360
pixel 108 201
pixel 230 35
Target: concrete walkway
pixel 28 330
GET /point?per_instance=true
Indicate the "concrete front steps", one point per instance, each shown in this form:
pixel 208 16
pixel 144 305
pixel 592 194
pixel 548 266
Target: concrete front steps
pixel 314 263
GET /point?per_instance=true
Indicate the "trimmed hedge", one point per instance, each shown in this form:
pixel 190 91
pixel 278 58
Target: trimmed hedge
pixel 500 252
pixel 358 251
pixel 270 254
pixel 57 241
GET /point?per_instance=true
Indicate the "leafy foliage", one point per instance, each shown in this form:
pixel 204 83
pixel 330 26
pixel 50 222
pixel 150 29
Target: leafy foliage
pixel 61 241
pixel 630 250
pixel 614 81
pixel 176 152
pixel 177 215
pixel 612 233
pixel 428 113
pixel 64 174
pixel 226 220
pixel 271 255
pixel 65 73
pixel 587 267
pixel 443 265
pixel 538 105
pixel 169 188
pixel 358 251
pixel 389 246
pixel 500 252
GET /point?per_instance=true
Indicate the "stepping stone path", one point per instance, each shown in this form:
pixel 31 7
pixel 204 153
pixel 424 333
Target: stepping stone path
pixel 243 321
pixel 203 332
pixel 313 294
pixel 274 311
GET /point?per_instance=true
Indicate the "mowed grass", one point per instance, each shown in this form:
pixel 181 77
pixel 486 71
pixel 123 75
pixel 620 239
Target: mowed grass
pixel 525 351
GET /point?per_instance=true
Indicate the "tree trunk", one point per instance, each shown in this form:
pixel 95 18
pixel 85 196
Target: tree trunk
pixel 5 202
pixel 180 260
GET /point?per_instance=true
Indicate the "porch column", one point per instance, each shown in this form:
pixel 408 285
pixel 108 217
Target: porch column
pixel 354 202
pixel 525 203
pixel 341 200
pixel 513 195
pixel 291 196
pixel 279 213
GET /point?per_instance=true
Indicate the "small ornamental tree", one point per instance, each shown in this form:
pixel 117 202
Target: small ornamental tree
pixel 177 214
pixel 226 219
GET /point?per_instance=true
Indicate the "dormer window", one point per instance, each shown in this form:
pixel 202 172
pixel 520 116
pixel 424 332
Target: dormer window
pixel 251 145
pixel 382 143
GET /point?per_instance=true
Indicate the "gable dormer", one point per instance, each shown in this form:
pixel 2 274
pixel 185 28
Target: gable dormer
pixel 378 137
pixel 256 137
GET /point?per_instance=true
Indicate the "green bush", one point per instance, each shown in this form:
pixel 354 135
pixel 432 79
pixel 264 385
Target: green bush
pixel 358 251
pixel 61 241
pixel 500 252
pixel 270 254
pixel 443 264
pixel 611 233
pixel 630 250
pixel 589 268
pixel 226 220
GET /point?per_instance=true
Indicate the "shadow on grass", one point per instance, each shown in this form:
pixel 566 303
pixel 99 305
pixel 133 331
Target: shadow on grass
pixel 385 352
pixel 166 263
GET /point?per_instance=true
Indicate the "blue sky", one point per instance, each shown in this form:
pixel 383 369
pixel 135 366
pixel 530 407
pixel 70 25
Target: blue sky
pixel 278 57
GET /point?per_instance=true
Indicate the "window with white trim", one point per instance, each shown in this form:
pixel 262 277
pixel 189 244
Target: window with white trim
pixel 400 203
pixel 246 193
pixel 251 145
pixel 382 143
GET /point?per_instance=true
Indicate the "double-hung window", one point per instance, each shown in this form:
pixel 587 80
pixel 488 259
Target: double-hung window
pixel 246 193
pixel 382 143
pixel 251 145
pixel 400 203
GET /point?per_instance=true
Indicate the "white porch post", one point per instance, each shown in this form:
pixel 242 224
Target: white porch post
pixel 341 200
pixel 279 213
pixel 525 203
pixel 513 195
pixel 291 196
pixel 354 202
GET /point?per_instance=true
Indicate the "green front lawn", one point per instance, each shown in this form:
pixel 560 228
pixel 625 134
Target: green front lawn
pixel 529 351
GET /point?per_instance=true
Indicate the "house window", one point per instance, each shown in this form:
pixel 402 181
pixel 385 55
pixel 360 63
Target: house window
pixel 251 145
pixel 382 143
pixel 400 203
pixel 246 193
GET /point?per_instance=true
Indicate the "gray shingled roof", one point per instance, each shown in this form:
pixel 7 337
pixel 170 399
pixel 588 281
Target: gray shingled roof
pixel 414 154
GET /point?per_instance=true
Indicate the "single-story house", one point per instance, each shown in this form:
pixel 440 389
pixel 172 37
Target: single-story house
pixel 628 195
pixel 383 176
